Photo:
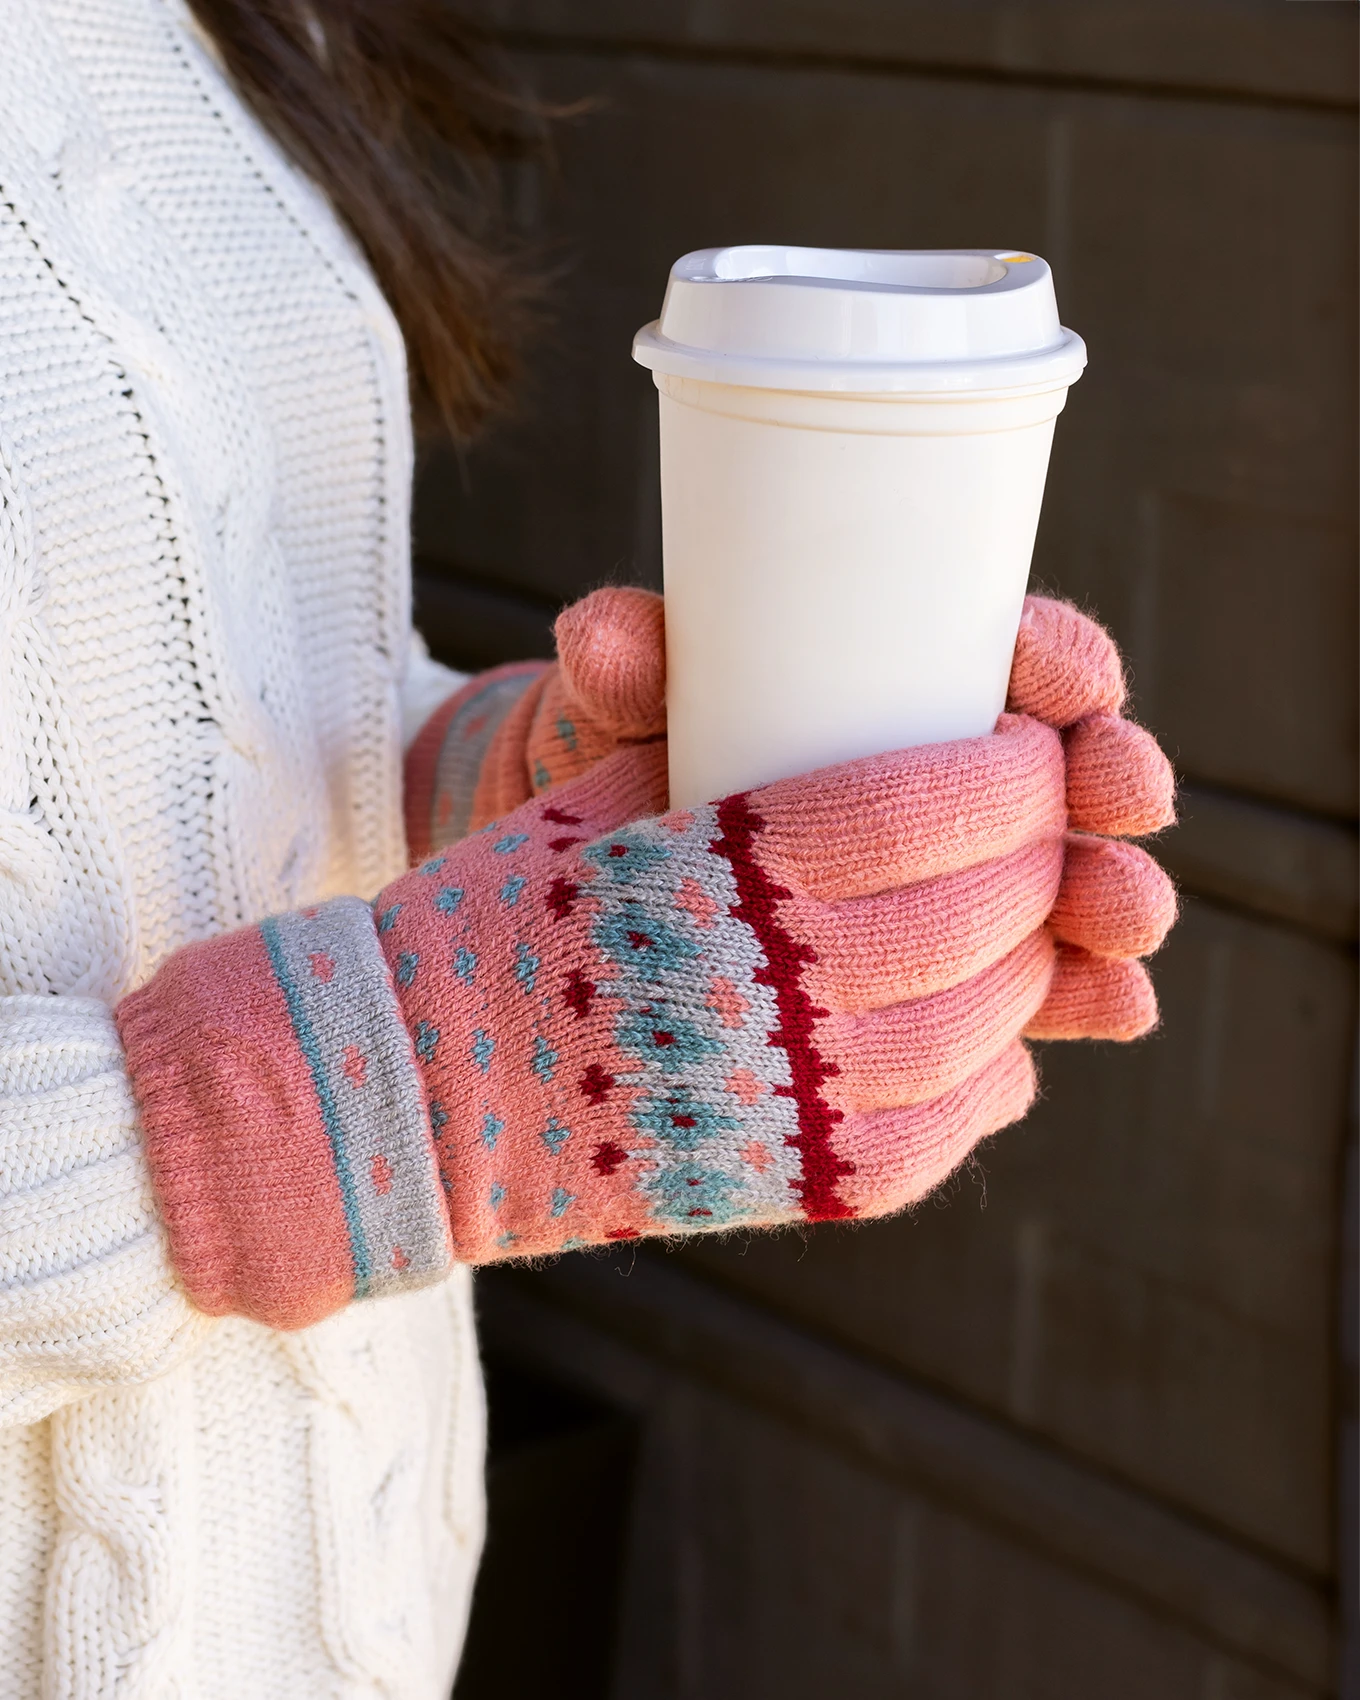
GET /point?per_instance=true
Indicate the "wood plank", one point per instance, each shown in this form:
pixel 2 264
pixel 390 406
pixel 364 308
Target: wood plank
pixel 1288 867
pixel 1211 440
pixel 1149 1289
pixel 566 495
pixel 966 1475
pixel 1348 1422
pixel 1298 52
pixel 1142 1272
pixel 471 624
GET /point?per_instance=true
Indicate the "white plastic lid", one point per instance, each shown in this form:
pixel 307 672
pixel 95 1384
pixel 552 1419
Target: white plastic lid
pixel 922 321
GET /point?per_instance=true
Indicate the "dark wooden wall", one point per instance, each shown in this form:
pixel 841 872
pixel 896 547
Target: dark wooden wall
pixel 1074 1429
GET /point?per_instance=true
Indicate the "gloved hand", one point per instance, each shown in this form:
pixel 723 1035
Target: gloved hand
pixel 607 691
pixel 516 731
pixel 803 1002
pixel 1114 904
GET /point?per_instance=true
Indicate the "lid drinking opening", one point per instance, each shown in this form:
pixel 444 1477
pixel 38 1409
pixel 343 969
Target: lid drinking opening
pixel 772 263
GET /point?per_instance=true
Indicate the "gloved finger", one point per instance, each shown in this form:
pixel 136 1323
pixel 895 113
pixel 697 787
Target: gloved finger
pixel 918 939
pixel 1118 781
pixel 625 786
pixel 1095 997
pixel 887 1058
pixel 565 738
pixel 1065 666
pixel 612 649
pixel 607 689
pixel 869 825
pixel 1114 899
pixel 901 1155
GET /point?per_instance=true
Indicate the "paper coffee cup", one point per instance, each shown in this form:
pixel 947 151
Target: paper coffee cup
pixel 853 454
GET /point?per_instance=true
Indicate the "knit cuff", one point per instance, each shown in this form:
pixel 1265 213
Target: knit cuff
pixel 284 1118
pixel 445 763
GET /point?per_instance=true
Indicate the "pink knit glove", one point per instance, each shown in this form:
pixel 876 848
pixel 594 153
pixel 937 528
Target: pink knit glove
pixel 520 730
pixel 516 731
pixel 804 1002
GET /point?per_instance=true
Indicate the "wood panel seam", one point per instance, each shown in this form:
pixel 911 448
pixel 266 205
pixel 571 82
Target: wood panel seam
pixel 781 59
pixel 1249 1604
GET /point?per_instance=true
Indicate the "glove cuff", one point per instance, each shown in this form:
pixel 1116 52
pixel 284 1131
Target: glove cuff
pixel 452 755
pixel 284 1119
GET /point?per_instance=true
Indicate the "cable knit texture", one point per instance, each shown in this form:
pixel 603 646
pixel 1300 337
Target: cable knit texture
pixel 204 469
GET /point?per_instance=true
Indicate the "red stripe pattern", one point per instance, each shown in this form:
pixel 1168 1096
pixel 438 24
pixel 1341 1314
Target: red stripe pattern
pixel 787 957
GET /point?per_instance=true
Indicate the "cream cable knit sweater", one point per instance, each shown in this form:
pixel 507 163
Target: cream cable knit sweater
pixel 204 471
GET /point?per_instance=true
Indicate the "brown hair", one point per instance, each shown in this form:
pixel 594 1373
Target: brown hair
pixel 404 114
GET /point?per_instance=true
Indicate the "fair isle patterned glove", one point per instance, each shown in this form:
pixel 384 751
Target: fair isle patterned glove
pixel 632 1031
pixel 516 731
pixel 801 1003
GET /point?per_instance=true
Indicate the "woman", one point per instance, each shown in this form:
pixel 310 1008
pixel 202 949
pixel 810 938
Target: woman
pixel 256 1131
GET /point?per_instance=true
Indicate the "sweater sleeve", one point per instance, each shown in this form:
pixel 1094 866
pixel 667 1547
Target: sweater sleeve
pixel 88 1297
pixel 110 1264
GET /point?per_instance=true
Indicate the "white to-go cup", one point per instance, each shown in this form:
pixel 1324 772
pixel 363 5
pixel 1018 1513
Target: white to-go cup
pixel 853 453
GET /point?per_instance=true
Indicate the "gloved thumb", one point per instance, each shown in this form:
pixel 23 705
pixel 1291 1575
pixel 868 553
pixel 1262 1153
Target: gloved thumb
pixel 612 649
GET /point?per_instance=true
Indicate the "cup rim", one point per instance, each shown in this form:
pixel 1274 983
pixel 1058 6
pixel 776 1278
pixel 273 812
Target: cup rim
pixel 1056 367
